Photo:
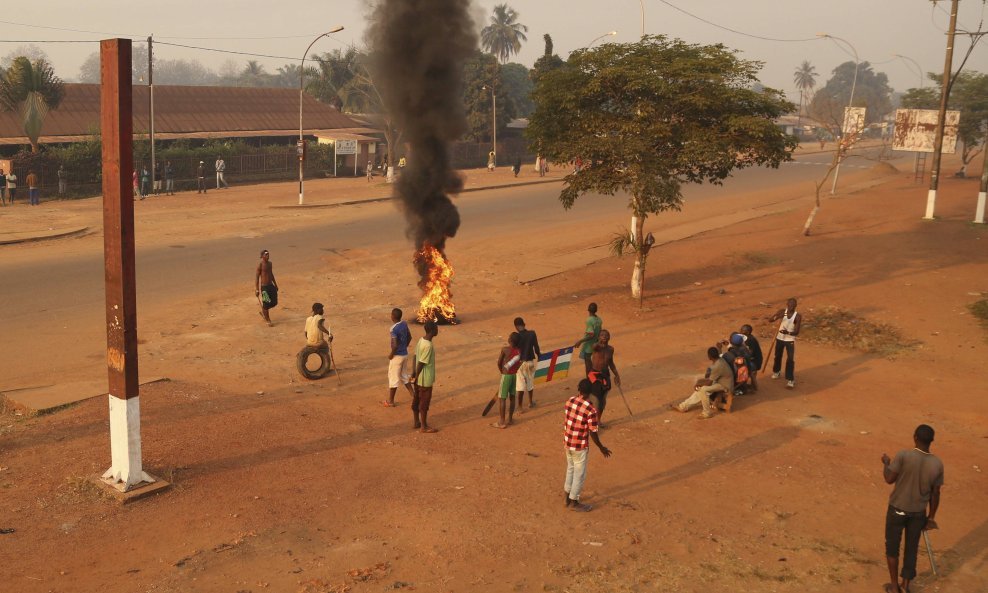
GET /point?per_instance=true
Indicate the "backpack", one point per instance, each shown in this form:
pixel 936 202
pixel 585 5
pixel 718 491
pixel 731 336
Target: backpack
pixel 742 374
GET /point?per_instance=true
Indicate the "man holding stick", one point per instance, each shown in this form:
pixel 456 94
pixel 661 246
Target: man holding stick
pixel 918 476
pixel 785 340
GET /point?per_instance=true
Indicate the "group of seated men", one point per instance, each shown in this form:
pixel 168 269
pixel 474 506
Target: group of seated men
pixel 732 371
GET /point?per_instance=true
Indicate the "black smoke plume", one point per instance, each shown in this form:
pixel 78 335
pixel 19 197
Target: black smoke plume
pixel 418 48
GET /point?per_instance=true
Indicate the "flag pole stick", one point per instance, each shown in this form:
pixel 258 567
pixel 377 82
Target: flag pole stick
pixel 625 400
pixel 929 550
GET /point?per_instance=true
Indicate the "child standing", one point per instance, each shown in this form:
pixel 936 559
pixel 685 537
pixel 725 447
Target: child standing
pixel 508 362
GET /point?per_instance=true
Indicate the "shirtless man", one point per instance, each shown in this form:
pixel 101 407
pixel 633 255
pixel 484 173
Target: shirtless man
pixel 601 367
pixel 265 286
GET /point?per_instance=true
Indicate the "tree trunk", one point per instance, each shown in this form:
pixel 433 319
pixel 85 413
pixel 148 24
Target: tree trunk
pixel 809 220
pixel 637 275
pixel 636 280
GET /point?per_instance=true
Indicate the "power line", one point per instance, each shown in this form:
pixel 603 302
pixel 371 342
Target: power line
pixel 701 19
pixel 158 37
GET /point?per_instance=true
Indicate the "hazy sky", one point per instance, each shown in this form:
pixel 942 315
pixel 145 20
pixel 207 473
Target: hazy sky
pixel 877 29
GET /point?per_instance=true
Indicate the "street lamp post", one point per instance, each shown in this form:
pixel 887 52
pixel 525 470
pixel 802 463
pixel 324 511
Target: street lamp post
pixel 642 2
pixel 596 39
pixel 493 118
pixel 301 90
pixel 919 71
pixel 850 102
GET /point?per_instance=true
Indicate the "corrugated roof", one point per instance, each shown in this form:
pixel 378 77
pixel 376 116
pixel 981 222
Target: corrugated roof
pixel 188 112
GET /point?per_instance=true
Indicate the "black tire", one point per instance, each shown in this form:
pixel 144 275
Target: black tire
pixel 303 357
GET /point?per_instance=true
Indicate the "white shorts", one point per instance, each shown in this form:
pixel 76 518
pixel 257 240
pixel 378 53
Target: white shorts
pixel 398 371
pixel 526 376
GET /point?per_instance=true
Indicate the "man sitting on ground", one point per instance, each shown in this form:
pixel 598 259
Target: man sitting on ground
pixel 720 379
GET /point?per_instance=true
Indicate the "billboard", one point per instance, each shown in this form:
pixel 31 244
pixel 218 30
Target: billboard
pixel 346 147
pixel 854 121
pixel 916 130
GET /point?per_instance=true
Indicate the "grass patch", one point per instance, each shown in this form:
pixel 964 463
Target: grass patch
pixel 760 259
pixel 834 326
pixel 980 310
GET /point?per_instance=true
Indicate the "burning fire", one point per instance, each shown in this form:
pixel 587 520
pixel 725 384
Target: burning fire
pixel 436 273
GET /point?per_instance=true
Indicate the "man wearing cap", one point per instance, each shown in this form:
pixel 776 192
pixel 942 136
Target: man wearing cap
pixel 918 476
pixel 201 177
pixel 266 287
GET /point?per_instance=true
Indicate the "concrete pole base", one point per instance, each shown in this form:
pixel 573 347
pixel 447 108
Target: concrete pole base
pixel 979 215
pixel 141 490
pixel 931 201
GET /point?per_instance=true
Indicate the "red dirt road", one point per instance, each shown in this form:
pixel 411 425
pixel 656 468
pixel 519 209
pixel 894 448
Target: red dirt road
pixel 313 487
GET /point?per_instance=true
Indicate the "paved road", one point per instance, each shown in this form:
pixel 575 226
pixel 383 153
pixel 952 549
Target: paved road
pixel 45 302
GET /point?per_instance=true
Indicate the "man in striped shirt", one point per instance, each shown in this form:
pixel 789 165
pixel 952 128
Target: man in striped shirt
pixel 580 428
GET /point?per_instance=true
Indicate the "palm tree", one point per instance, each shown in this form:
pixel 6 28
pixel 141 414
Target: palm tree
pixel 504 35
pixel 31 90
pixel 805 79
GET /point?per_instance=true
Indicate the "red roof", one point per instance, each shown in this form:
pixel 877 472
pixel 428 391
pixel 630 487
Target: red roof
pixel 186 112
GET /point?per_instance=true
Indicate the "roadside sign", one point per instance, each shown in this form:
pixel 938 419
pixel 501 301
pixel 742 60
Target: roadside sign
pixel 300 148
pixel 346 147
pixel 916 130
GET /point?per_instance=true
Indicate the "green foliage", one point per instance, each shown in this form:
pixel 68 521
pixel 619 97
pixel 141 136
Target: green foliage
pixel 805 77
pixel 335 70
pixel 503 36
pixel 924 98
pixel 871 91
pixel 518 87
pixel 647 117
pixel 480 71
pixel 31 89
pixel 549 61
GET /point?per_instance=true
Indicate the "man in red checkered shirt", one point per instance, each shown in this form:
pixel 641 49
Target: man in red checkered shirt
pixel 580 428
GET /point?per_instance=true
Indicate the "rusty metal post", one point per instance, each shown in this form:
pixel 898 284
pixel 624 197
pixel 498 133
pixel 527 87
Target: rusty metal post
pixel 116 126
pixel 931 195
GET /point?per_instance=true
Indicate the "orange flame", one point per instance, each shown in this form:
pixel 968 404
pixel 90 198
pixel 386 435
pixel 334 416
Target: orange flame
pixel 437 274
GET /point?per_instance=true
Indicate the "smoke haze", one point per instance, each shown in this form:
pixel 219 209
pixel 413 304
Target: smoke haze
pixel 418 49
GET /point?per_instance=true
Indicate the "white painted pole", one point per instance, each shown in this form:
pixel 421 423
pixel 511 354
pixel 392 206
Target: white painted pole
pixel 126 469
pixel 979 215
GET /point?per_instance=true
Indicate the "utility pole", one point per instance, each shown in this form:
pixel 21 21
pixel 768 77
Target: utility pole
pixel 931 196
pixel 154 163
pixel 979 216
pixel 117 125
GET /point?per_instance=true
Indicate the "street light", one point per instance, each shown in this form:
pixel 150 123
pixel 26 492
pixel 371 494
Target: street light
pixel 642 2
pixel 919 69
pixel 493 118
pixel 596 39
pixel 301 89
pixel 850 101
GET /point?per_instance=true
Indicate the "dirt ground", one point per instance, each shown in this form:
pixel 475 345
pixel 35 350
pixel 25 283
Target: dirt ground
pixel 312 487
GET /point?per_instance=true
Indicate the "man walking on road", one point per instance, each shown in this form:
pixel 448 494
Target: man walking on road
pixel 201 178
pixel 220 170
pixel 785 340
pixel 918 476
pixel 63 180
pixel 398 373
pixel 424 377
pixel 266 287
pixel 528 345
pixel 579 429
pixel 586 343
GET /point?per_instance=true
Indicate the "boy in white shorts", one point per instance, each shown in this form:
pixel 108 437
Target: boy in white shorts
pixel 399 372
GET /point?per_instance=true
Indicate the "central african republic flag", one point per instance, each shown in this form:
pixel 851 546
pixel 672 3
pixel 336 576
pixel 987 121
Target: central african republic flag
pixel 553 365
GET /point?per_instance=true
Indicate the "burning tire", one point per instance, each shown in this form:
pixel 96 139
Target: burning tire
pixel 302 360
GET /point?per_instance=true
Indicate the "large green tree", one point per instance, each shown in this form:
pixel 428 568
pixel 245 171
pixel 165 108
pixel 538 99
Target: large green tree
pixel 647 117
pixel 969 95
pixel 31 89
pixel 518 86
pixel 548 61
pixel 871 91
pixel 481 74
pixel 335 71
pixel 503 36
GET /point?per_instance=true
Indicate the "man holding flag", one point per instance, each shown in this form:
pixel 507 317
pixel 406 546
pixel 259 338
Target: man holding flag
pixel 528 345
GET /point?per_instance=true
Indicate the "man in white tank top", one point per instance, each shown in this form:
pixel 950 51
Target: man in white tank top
pixel 785 340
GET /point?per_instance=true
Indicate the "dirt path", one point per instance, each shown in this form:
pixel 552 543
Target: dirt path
pixel 288 486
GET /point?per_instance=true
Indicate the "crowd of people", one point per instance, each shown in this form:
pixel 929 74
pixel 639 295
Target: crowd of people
pixel 733 368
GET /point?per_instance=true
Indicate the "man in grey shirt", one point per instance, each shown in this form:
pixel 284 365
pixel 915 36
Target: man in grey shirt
pixel 918 476
pixel 719 379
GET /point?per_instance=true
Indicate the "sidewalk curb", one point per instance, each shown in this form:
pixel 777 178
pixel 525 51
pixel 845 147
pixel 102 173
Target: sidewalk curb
pixel 59 235
pixel 389 198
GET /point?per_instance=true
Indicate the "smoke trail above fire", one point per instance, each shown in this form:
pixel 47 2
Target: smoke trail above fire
pixel 418 49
